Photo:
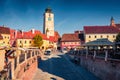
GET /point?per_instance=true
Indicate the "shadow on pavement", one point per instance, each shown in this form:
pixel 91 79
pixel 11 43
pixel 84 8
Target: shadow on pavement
pixel 61 67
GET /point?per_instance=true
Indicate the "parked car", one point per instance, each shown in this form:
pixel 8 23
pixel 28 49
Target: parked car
pixel 64 50
pixel 47 52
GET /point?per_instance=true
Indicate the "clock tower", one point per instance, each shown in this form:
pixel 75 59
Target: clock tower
pixel 48 26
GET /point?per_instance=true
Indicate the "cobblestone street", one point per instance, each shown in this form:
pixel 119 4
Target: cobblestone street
pixel 59 67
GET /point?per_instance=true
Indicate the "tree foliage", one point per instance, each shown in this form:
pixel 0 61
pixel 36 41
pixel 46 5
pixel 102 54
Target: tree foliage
pixel 117 38
pixel 38 41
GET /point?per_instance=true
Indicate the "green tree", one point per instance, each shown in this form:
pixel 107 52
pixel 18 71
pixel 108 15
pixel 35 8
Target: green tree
pixel 38 41
pixel 117 38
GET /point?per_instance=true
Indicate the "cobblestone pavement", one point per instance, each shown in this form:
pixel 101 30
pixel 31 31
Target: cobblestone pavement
pixel 59 67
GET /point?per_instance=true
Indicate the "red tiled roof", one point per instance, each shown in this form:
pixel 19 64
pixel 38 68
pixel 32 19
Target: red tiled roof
pixel 100 29
pixel 118 26
pixel 27 35
pixel 4 30
pixel 52 39
pixel 44 37
pixel 1 37
pixel 70 37
pixel 57 34
pixel 55 37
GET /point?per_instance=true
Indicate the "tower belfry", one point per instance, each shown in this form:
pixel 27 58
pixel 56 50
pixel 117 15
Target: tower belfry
pixel 48 27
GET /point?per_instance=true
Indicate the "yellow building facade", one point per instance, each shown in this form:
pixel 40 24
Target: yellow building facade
pixel 6 39
pixel 26 43
pixel 92 33
pixel 92 37
pixel 5 34
pixel 45 44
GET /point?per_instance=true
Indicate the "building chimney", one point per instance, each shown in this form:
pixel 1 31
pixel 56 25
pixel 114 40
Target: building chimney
pixel 33 31
pixel 15 34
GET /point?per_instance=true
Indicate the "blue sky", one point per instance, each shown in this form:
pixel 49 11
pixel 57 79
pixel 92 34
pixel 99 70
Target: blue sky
pixel 70 15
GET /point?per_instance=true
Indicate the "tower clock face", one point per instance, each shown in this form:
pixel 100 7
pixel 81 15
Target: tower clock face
pixel 49 18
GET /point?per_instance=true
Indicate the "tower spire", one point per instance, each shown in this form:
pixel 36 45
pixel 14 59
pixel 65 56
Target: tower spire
pixel 112 23
pixel 48 10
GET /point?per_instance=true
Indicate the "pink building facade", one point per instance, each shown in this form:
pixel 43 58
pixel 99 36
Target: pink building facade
pixel 70 41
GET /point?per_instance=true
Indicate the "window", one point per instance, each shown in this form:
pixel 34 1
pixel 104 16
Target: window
pixel 25 42
pixel 95 36
pixel 89 36
pixel 113 36
pixel 101 36
pixel 20 41
pixel 8 37
pixel 30 42
pixel 107 36
pixel 5 36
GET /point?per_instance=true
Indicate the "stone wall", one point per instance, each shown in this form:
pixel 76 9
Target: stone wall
pixel 106 70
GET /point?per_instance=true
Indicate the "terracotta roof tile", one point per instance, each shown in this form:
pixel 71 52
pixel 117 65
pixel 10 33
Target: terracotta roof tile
pixel 4 30
pixel 117 25
pixel 100 29
pixel 44 37
pixel 57 34
pixel 27 34
pixel 52 39
pixel 70 37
